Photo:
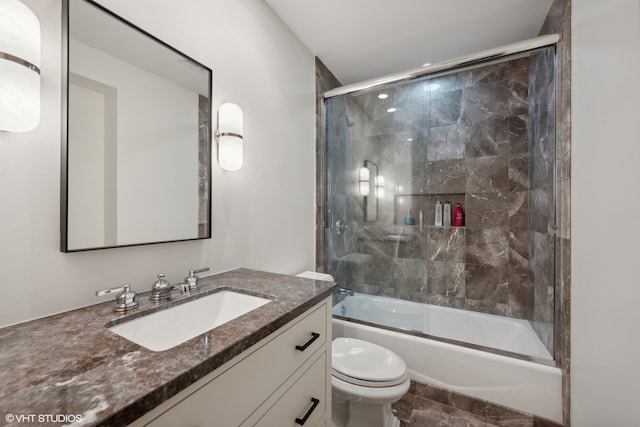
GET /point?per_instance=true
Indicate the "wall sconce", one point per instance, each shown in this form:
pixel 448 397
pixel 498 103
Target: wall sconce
pixel 230 136
pixel 379 186
pixel 364 180
pixel 19 67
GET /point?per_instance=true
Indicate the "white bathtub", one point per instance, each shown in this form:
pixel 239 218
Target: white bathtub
pixel 487 330
pixel 519 384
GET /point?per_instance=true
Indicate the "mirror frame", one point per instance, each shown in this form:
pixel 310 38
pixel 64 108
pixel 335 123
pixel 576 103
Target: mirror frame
pixel 64 171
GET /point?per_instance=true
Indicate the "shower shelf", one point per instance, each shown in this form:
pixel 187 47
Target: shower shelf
pixel 432 226
pixel 424 202
pixel 429 194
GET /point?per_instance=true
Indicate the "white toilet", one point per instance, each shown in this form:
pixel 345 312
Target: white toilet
pixel 366 379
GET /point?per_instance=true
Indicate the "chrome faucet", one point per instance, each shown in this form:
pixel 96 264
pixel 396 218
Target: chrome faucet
pixel 183 287
pixel 345 291
pixel 125 301
pixel 161 289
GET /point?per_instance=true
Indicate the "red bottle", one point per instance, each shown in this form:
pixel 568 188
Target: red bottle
pixel 458 216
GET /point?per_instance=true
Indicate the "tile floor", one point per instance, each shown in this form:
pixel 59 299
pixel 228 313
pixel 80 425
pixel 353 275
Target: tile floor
pixel 429 406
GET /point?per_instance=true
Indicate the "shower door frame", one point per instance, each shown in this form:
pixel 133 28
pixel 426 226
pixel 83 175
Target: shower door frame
pixel 484 58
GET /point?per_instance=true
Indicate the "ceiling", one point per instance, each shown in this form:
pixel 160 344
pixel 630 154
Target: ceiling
pixel 364 39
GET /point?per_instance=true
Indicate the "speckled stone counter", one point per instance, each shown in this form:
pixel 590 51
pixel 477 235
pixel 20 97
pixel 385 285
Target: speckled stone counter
pixel 70 364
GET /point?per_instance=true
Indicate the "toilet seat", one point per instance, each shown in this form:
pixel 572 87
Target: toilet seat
pixel 366 364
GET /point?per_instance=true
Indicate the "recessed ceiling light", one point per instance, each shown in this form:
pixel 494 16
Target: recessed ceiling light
pixel 391 110
pixel 409 139
pixel 426 64
pixel 383 96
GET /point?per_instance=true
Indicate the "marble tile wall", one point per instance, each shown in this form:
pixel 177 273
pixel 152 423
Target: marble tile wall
pixel 558 20
pixel 324 81
pixel 458 138
pixel 204 166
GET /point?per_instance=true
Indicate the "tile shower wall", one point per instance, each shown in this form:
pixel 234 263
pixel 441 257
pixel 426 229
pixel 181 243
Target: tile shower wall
pixel 458 138
pixel 324 81
pixel 558 21
pixel 204 167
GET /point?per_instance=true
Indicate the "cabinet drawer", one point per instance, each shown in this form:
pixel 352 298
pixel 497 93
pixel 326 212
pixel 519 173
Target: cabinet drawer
pixel 280 358
pixel 304 401
pixel 230 397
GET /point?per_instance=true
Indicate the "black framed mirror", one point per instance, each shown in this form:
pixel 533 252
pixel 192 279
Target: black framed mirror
pixel 136 143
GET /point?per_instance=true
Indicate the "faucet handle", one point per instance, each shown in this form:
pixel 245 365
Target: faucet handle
pixel 125 301
pixel 192 279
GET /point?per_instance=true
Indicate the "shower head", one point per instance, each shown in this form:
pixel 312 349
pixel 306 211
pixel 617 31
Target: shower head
pixel 350 121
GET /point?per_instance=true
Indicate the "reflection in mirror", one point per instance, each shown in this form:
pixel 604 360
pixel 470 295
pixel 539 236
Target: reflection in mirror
pixel 136 160
pixel 371 200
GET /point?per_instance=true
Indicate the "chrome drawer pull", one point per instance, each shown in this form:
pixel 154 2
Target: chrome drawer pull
pixel 314 336
pixel 309 412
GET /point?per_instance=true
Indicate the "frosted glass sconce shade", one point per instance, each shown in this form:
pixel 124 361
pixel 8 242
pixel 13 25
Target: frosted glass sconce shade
pixel 19 67
pixel 379 186
pixel 230 137
pixel 364 179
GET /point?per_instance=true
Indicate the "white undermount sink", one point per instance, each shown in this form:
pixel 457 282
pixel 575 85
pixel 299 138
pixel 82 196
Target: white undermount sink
pixel 167 328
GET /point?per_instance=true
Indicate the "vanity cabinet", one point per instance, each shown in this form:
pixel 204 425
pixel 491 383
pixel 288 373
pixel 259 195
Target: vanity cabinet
pixel 283 378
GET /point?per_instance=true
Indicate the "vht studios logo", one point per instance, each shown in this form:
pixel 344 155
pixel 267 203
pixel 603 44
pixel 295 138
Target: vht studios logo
pixel 43 418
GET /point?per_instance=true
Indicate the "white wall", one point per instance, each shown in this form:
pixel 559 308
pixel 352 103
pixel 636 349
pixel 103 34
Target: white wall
pixel 263 215
pixel 86 210
pixel 605 368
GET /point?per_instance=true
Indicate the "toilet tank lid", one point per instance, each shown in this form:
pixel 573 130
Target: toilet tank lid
pixel 316 276
pixel 366 361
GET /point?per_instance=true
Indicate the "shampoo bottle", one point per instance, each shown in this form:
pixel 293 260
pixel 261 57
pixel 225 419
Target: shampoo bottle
pixel 458 216
pixel 408 220
pixel 446 214
pixel 438 222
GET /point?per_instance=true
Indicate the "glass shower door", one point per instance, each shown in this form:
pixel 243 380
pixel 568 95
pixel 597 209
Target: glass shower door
pixel 480 139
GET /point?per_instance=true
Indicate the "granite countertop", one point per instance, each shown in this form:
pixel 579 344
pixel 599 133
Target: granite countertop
pixel 69 364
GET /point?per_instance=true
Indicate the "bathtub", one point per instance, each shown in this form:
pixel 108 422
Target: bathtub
pixel 524 385
pixel 479 329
